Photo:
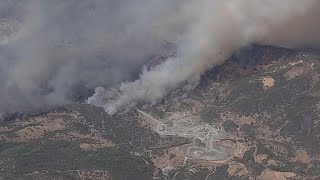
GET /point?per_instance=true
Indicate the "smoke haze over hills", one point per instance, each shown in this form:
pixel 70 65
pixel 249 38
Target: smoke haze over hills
pixel 221 28
pixel 52 49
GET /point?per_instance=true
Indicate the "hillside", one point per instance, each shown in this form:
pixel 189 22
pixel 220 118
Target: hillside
pixel 260 110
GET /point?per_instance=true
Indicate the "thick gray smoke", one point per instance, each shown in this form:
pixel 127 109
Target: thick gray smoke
pixel 53 50
pixel 219 28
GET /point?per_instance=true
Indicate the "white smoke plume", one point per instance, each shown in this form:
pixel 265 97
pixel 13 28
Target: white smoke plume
pixel 215 29
pixel 54 52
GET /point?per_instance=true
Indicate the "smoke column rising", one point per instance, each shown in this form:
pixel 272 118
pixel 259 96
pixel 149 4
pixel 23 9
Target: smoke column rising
pixel 217 30
pixel 53 51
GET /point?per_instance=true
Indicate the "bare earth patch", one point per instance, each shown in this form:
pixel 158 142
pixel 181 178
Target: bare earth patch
pixel 273 175
pixel 295 72
pixel 267 82
pixel 94 175
pixel 36 131
pixel 36 127
pixel 237 169
pixel 302 156
pixel 168 159
pixel 247 120
pixel 272 162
